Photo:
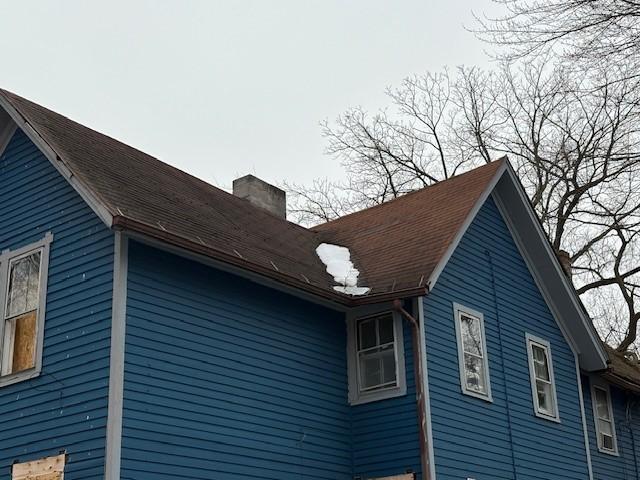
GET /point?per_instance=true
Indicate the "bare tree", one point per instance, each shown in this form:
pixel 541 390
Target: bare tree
pixel 575 143
pixel 583 32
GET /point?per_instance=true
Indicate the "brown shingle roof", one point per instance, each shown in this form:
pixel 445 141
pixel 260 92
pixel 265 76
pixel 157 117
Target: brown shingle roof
pixel 395 245
pixel 622 371
pixel 398 244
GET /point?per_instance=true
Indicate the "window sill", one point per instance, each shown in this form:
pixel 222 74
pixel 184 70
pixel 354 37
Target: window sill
pixel 547 417
pixel 378 396
pixel 487 398
pixel 19 377
pixel 613 453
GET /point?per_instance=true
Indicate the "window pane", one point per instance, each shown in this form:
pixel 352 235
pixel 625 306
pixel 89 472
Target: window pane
pixel 471 335
pixel 602 404
pixel 605 428
pixel 388 366
pixel 385 329
pixel 474 373
pixel 540 363
pixel 24 285
pixel 607 442
pixel 367 334
pixel 370 371
pixel 543 391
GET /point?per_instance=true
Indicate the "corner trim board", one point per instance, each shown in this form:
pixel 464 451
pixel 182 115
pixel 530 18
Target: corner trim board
pixel 427 396
pixel 584 417
pixel 116 363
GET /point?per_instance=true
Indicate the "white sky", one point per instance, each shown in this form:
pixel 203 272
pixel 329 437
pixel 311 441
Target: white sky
pixel 225 88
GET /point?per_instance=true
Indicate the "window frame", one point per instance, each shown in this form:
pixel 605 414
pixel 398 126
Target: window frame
pixel 546 346
pixel 605 388
pixel 7 258
pixel 357 396
pixel 458 311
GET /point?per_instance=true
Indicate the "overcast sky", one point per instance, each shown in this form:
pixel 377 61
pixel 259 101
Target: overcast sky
pixel 225 88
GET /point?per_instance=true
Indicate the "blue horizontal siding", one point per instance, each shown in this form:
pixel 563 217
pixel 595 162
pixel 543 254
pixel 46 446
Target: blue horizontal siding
pixel 626 413
pixel 227 379
pixel 65 408
pixel 503 439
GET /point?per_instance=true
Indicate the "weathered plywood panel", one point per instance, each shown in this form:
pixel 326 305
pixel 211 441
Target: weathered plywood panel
pixel 24 345
pixel 48 468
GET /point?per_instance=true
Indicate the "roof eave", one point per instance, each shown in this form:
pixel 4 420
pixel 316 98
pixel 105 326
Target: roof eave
pixel 200 251
pixel 622 382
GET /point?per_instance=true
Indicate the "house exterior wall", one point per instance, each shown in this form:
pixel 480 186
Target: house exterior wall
pixel 502 439
pixel 228 379
pixel 65 408
pixel 626 413
pixel 385 438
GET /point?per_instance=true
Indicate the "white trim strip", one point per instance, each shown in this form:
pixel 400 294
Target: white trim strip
pixel 584 417
pixel 427 396
pixel 116 367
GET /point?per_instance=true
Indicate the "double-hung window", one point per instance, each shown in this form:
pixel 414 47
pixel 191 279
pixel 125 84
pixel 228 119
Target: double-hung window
pixel 603 415
pixel 543 387
pixel 376 358
pixel 472 352
pixel 23 274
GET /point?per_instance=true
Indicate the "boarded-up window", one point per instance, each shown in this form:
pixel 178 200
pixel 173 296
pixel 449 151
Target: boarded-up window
pixel 49 468
pixel 21 313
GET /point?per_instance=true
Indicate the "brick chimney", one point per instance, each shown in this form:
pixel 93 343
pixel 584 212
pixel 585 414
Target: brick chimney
pixel 261 194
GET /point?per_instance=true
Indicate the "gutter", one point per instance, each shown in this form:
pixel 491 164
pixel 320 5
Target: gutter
pixel 621 381
pixel 121 223
pixel 420 388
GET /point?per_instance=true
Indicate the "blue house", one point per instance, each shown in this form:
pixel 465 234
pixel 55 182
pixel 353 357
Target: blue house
pixel 153 326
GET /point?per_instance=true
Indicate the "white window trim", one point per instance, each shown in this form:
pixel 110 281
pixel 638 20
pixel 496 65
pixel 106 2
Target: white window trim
pixel 6 258
pixel 356 396
pixel 530 340
pixel 604 387
pixel 457 311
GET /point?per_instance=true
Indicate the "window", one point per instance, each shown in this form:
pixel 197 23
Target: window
pixel 472 353
pixel 22 287
pixel 603 416
pixel 376 358
pixel 543 386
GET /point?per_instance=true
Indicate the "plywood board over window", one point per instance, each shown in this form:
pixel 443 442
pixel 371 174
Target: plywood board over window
pixel 48 468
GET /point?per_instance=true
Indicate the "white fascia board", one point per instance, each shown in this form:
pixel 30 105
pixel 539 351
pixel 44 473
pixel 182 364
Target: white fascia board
pixel 57 161
pixel 544 266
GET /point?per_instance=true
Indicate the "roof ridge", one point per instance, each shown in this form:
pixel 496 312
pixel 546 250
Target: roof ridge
pixel 412 193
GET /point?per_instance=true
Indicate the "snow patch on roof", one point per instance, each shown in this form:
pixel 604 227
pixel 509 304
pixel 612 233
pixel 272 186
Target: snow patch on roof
pixel 337 259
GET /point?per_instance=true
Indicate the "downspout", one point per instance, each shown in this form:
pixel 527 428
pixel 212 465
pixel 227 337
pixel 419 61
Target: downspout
pixel 420 388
